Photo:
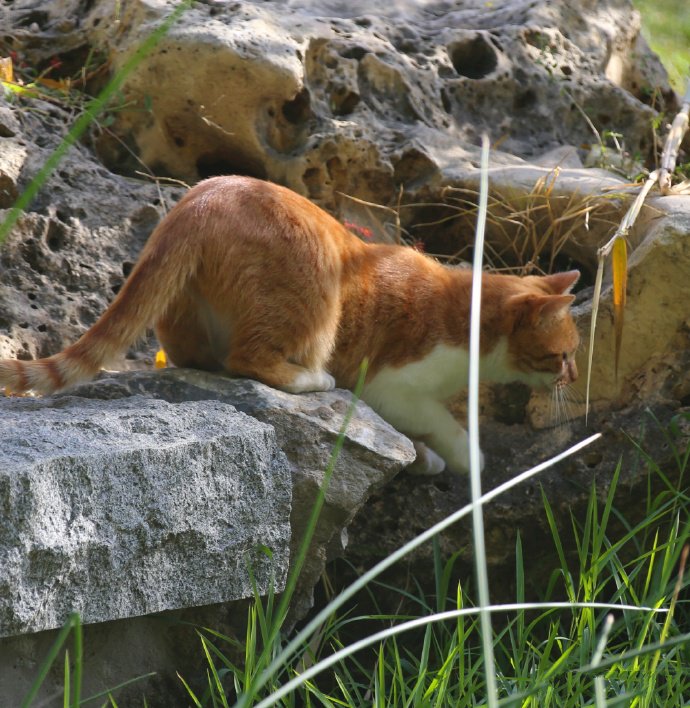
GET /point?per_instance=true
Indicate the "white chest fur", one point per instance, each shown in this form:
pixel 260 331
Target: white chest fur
pixel 411 397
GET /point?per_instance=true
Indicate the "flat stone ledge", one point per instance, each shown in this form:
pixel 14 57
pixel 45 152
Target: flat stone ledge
pixel 123 508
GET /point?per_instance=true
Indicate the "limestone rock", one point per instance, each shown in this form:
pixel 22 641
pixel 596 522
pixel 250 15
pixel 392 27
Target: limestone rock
pixel 136 506
pixel 328 97
pixel 655 350
pixel 70 253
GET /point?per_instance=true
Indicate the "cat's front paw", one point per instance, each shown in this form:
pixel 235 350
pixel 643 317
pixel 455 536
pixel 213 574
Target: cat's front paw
pixel 427 462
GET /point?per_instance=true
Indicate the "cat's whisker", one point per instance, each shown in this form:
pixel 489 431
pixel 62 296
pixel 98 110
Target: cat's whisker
pixel 563 404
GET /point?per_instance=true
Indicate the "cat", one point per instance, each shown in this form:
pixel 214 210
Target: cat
pixel 247 277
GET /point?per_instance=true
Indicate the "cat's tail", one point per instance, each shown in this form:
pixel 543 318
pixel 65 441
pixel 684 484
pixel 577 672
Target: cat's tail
pixel 164 267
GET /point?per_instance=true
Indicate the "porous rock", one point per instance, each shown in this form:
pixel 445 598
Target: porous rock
pixel 330 97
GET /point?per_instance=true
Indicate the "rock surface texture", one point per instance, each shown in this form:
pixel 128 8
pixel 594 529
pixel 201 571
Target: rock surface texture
pixel 130 507
pixel 375 115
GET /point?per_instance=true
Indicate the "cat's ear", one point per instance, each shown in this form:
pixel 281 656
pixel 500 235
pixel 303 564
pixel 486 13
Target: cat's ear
pixel 533 309
pixel 562 283
pixel 555 305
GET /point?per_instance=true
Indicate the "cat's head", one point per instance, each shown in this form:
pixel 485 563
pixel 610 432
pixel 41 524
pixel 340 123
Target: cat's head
pixel 544 338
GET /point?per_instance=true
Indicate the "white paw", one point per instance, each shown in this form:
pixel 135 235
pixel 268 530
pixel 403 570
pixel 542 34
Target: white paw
pixel 328 381
pixel 427 462
pixel 308 381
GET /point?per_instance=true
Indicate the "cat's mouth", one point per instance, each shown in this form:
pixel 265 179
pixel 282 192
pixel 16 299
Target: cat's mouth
pixel 568 374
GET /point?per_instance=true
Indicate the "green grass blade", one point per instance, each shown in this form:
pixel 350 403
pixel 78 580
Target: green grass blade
pixel 596 296
pixel 78 660
pixel 192 695
pixel 106 693
pixel 49 661
pixel 66 689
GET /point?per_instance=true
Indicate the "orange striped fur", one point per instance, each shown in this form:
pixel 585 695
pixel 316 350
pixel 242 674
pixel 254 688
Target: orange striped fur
pixel 247 277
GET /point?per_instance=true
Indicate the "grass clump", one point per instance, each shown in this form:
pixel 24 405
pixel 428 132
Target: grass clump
pixel 618 638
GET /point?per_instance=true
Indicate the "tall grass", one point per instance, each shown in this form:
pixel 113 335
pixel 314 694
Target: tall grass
pixel 617 639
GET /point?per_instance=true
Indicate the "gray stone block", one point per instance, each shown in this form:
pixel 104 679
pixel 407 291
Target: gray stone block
pixel 122 508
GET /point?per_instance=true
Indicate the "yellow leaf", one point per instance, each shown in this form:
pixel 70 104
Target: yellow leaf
pixel 6 69
pixel 620 283
pixel 161 360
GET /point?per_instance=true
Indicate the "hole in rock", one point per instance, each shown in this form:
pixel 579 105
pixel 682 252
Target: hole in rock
pixel 354 53
pixel 55 237
pixel 344 102
pixel 592 459
pixel 442 485
pixel 525 99
pixel 298 110
pixel 474 58
pixel 70 63
pixel 313 180
pixel 445 101
pixel 40 17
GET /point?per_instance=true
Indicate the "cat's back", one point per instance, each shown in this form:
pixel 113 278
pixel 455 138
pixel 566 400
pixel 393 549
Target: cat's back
pixel 240 207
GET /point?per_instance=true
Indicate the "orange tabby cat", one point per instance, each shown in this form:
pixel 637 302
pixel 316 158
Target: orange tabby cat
pixel 247 277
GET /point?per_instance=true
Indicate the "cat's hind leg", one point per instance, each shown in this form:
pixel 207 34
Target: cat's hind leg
pixel 285 344
pixel 275 370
